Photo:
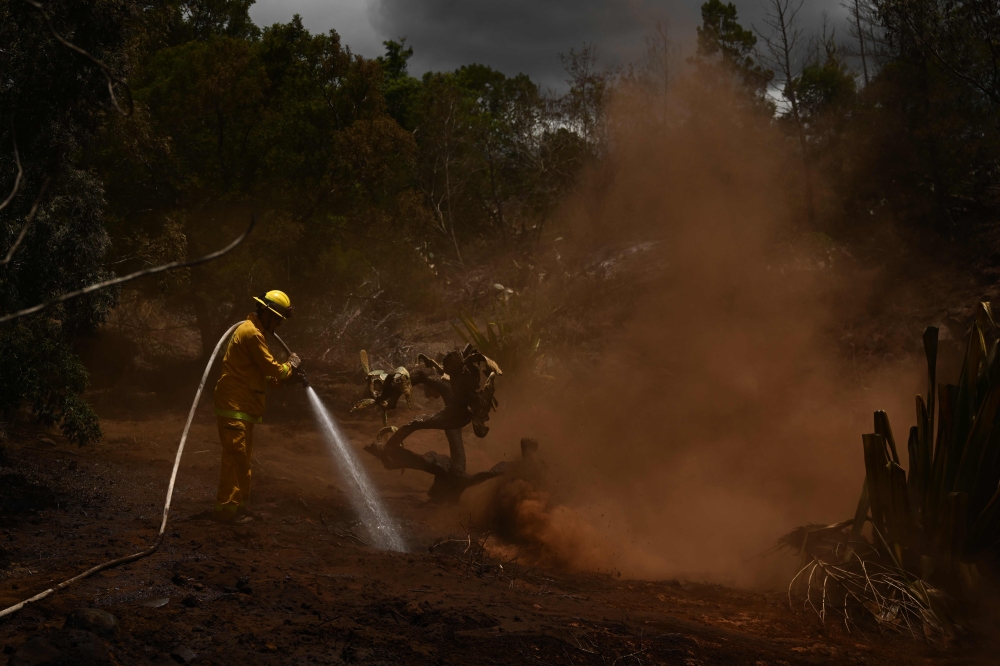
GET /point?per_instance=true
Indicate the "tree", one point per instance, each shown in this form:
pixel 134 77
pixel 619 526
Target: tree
pixel 52 103
pixel 655 73
pixel 399 88
pixel 825 84
pixel 584 106
pixel 291 125
pixel 445 160
pixel 511 182
pixel 932 109
pixel 189 20
pixel 782 43
pixel 960 38
pixel 726 50
pixel 490 162
pixel 859 24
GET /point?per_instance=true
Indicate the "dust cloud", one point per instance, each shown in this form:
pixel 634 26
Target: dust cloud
pixel 723 413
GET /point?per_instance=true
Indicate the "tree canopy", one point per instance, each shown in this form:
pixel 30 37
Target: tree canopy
pixel 369 181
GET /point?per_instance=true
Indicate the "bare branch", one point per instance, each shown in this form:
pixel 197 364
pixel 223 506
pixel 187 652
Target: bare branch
pixel 930 34
pixel 20 169
pixel 857 30
pixel 783 38
pixel 111 77
pixel 27 223
pixel 990 94
pixel 132 276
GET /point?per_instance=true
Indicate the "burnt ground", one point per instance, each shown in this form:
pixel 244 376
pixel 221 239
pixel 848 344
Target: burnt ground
pixel 299 586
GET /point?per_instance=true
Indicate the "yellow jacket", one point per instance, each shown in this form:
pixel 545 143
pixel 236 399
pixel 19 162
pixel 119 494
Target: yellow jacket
pixel 247 368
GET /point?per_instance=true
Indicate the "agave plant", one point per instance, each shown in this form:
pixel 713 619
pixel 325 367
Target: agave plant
pixel 933 529
pixel 514 347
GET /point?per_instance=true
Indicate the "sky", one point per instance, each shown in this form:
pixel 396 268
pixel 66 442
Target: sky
pixel 516 35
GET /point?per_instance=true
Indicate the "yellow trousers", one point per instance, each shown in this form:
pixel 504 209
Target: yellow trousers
pixel 237 451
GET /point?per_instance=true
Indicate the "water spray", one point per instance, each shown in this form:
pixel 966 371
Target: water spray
pixel 384 531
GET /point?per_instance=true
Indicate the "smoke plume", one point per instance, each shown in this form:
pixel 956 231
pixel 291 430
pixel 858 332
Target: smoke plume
pixel 723 413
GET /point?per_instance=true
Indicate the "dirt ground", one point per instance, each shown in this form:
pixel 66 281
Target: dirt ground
pixel 299 586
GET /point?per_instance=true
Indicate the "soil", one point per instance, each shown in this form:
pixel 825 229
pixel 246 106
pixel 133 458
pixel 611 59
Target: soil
pixel 299 585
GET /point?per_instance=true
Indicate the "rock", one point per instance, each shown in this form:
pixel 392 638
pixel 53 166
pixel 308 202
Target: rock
pixel 82 647
pixel 100 622
pixel 63 648
pixel 190 601
pixel 46 441
pixel 36 652
pixel 183 654
pixel 162 660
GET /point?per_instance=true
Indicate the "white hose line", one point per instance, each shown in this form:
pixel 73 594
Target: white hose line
pixel 166 507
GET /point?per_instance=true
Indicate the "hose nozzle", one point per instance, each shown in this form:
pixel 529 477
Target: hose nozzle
pixel 299 373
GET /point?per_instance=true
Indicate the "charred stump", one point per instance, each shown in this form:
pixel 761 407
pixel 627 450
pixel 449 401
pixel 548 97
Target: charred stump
pixel 450 477
pixel 468 399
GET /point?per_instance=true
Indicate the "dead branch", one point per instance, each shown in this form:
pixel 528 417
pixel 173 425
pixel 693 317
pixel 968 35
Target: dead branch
pixel 865 588
pixel 343 532
pixel 27 223
pixel 133 276
pixel 110 76
pixel 20 169
pixel 468 557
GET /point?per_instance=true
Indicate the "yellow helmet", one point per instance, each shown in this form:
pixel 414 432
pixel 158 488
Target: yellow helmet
pixel 277 302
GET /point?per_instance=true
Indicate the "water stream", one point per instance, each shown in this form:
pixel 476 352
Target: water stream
pixel 384 531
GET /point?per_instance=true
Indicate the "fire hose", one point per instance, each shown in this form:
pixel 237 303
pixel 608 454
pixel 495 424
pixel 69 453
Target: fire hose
pixel 298 371
pixel 166 506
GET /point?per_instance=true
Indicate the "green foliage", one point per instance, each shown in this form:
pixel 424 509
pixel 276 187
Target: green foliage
pixel 824 85
pixel 514 344
pixel 289 124
pixel 202 19
pixel 921 142
pixel 491 160
pixel 53 103
pixel 584 106
pixel 727 47
pixel 720 34
pixel 399 88
pixel 45 374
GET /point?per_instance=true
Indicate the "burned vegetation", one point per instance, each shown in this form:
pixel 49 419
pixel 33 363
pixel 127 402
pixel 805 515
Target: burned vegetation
pixel 137 138
pixel 458 381
pixel 922 552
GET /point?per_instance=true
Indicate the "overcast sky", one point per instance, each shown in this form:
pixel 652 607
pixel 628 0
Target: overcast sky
pixel 514 35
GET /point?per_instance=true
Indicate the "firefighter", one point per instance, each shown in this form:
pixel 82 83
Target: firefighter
pixel 247 368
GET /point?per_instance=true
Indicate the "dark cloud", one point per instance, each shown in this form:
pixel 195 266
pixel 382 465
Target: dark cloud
pixel 512 35
pixel 515 35
pixel 350 18
pixel 527 35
